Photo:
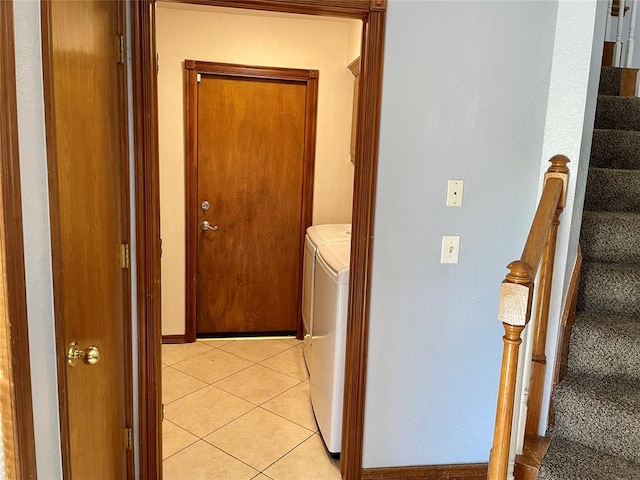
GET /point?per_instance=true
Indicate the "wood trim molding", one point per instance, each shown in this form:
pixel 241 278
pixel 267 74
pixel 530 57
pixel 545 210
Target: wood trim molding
pixel 528 464
pixel 355 67
pixel 373 16
pixel 191 196
pixel 566 325
pixel 147 208
pixel 171 339
pixel 329 8
pixel 364 195
pixel 628 82
pixel 471 471
pixel 192 69
pixel 15 386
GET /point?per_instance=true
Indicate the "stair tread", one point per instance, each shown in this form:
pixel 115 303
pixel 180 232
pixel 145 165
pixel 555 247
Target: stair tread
pixel 609 288
pixel 610 236
pixel 612 148
pixel 599 412
pixel 611 215
pixel 610 79
pixel 610 189
pixel 567 460
pixel 605 345
pixel 620 113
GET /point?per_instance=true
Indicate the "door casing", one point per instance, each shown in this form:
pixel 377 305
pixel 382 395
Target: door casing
pixel 307 77
pixel 145 117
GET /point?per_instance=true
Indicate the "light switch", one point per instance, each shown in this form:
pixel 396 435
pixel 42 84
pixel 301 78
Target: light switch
pixel 454 193
pixel 450 249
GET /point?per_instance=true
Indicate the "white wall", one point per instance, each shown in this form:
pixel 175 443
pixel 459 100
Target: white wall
pixel 214 34
pixel 465 97
pixel 37 240
pixel 569 129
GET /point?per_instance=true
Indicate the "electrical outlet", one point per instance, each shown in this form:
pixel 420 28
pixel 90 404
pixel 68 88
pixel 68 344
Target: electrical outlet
pixel 454 193
pixel 450 249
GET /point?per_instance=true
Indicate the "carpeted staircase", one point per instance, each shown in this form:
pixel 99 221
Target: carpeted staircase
pixel 596 434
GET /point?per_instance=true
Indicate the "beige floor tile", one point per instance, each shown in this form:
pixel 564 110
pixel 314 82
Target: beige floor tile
pixel 176 385
pixel 255 350
pixel 309 461
pixel 294 405
pixel 201 461
pixel 206 410
pixel 257 384
pixel 175 439
pixel 259 438
pixel 213 365
pixel 290 362
pixel 293 341
pixel 261 476
pixel 174 353
pixel 216 342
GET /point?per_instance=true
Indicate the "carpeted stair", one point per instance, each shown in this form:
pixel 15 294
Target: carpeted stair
pixel 596 434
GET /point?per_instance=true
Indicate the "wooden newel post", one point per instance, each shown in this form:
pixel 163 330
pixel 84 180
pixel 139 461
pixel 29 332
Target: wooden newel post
pixel 514 311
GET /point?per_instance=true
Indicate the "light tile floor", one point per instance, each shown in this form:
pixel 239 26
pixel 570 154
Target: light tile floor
pixel 240 410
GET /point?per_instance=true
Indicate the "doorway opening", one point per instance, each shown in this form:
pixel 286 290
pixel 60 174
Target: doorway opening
pixel 249 145
pixel 372 14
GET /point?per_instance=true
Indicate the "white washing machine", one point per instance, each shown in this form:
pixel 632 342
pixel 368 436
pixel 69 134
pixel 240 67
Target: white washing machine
pixel 329 339
pixel 316 235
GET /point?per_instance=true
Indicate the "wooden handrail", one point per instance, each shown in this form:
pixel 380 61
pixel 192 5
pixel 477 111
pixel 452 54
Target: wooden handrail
pixel 516 293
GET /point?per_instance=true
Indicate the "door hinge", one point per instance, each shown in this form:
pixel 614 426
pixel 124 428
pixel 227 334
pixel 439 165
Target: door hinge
pixel 129 433
pixel 120 46
pixel 198 77
pixel 124 255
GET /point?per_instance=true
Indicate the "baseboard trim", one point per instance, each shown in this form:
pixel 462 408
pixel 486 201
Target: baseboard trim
pixel 180 338
pixel 461 471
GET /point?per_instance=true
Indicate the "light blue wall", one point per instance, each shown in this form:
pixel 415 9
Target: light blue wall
pixel 464 97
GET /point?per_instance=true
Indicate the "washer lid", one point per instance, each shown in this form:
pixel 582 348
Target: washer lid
pixel 337 255
pixel 335 231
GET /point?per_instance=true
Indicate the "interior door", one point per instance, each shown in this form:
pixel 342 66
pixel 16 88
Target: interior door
pixel 250 151
pixel 86 131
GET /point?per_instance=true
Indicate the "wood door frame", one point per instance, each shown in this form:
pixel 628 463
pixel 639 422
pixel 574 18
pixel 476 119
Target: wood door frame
pixel 15 390
pixel 192 69
pixel 373 15
pixel 56 235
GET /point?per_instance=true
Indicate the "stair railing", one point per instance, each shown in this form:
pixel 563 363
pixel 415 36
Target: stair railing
pixel 516 295
pixel 632 33
pixel 619 8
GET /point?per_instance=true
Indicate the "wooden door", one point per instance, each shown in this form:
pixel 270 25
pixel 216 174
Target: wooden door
pixel 250 171
pixel 86 132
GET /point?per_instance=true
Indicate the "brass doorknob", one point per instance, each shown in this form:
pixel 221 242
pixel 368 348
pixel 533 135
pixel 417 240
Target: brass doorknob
pixel 90 355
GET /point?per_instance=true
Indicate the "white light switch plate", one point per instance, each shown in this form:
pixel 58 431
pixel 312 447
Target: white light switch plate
pixel 450 249
pixel 454 193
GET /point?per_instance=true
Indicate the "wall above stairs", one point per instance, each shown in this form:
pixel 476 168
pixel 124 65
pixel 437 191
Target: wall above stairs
pixel 568 130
